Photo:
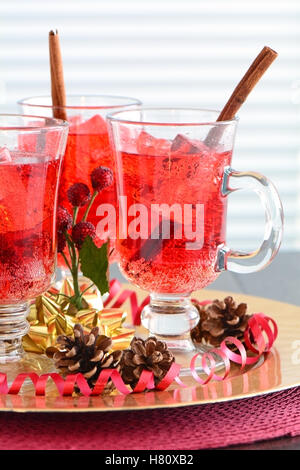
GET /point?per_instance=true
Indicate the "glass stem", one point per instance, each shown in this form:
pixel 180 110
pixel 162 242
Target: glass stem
pixel 171 317
pixel 13 326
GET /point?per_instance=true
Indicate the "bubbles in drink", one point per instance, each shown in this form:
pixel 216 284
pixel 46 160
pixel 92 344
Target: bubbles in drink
pixel 88 147
pixel 182 172
pixel 27 228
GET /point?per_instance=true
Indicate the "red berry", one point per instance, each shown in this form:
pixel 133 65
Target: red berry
pixel 101 178
pixel 61 242
pixel 64 219
pixel 82 230
pixel 79 194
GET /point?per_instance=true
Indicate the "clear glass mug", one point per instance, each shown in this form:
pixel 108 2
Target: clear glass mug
pixel 88 144
pixel 173 180
pixel 31 151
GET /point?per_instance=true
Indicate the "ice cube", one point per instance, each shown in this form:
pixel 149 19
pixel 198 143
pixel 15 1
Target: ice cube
pixel 5 155
pixel 145 143
pixel 183 145
pixel 27 142
pixel 94 125
pixel 149 145
pixel 74 120
pixel 162 147
pixel 128 138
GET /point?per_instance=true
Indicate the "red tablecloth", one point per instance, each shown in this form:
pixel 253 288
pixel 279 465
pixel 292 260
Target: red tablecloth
pixel 194 427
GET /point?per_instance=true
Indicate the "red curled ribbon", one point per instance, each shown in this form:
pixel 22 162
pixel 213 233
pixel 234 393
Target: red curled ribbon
pixel 258 326
pixel 114 289
pixel 67 386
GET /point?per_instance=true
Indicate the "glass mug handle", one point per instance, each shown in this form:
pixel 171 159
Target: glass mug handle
pixel 243 262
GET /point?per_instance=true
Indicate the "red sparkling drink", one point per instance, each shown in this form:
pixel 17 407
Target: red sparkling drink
pixel 180 172
pixel 88 147
pixel 27 225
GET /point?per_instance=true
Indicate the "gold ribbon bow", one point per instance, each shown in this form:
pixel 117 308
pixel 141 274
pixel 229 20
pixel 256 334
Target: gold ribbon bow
pixel 52 315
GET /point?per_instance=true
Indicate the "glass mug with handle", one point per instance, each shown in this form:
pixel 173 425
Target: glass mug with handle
pixel 173 180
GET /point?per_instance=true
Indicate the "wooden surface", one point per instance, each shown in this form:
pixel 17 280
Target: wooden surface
pixel 279 281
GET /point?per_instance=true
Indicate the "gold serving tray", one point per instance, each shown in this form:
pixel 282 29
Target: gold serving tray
pixel 280 370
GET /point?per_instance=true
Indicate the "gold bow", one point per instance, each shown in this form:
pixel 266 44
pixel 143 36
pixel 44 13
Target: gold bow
pixel 52 315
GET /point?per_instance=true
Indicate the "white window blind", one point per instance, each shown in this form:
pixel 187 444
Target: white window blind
pixel 174 52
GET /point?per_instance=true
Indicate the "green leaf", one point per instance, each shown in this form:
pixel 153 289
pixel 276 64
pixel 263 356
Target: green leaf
pixel 94 263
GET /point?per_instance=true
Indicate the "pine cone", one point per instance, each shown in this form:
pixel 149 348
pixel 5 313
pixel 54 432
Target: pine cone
pixel 219 320
pixel 88 354
pixel 151 354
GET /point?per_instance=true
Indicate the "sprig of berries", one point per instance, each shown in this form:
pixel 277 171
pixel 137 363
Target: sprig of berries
pixel 71 233
pixel 64 219
pixel 101 178
pixel 82 230
pixel 79 194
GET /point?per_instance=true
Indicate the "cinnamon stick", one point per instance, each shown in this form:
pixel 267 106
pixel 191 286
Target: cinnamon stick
pixel 57 77
pixel 242 90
